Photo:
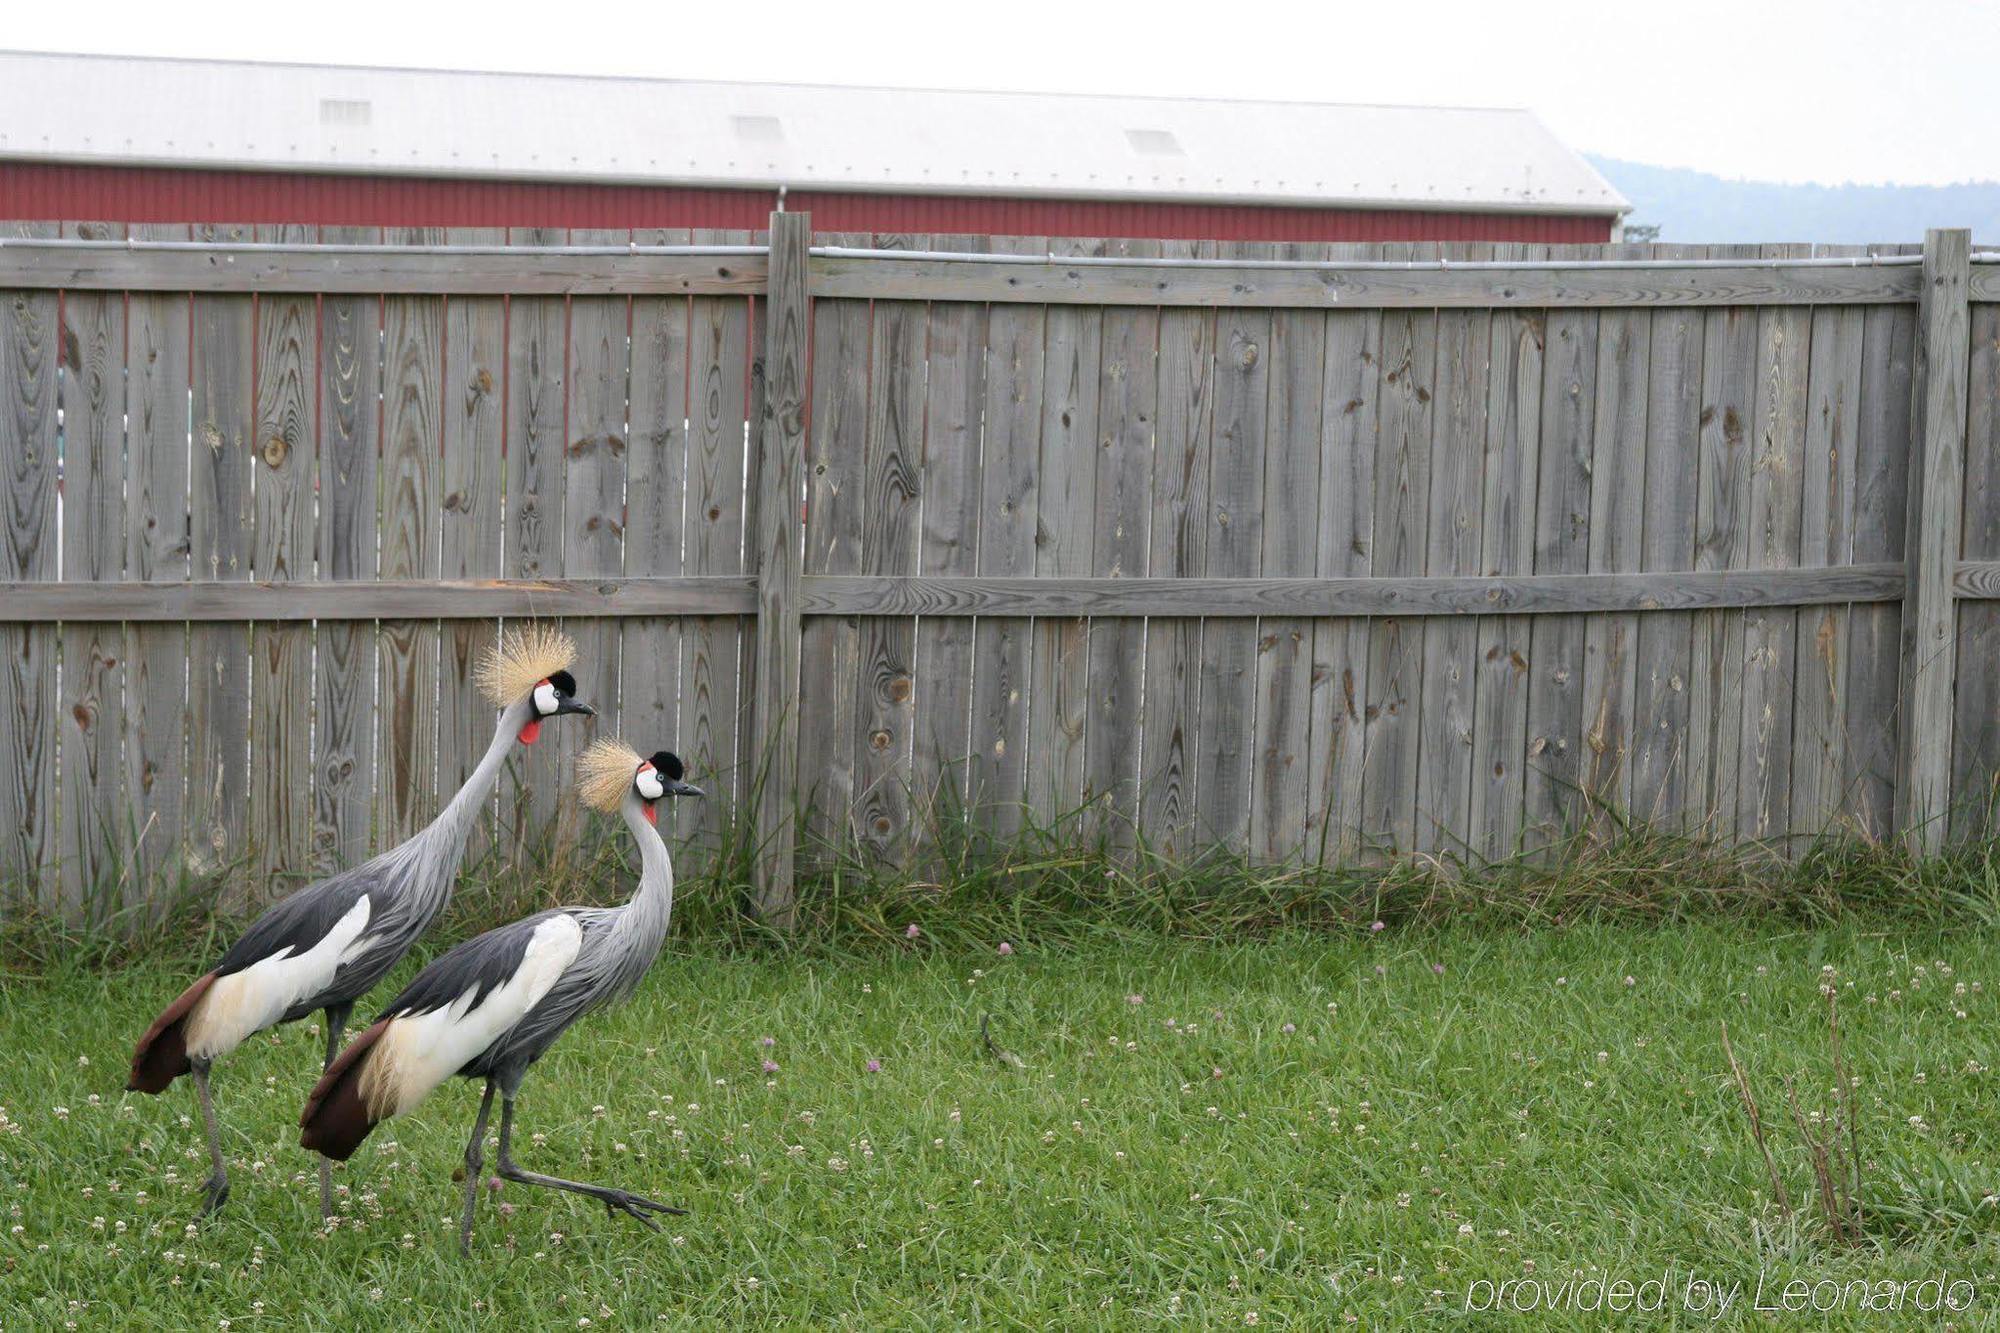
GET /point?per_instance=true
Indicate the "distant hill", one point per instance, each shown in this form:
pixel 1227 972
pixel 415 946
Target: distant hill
pixel 1693 206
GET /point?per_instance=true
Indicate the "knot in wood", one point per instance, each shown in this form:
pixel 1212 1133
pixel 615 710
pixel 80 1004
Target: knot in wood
pixel 275 450
pixel 878 740
pixel 899 689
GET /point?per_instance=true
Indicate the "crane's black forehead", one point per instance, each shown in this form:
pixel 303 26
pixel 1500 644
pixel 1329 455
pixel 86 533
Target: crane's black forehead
pixel 563 681
pixel 669 763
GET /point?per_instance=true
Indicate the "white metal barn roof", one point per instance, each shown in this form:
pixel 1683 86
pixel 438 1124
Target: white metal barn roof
pixel 114 110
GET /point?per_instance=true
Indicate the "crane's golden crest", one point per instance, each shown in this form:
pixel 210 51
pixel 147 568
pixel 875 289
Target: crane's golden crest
pixel 604 773
pixel 522 659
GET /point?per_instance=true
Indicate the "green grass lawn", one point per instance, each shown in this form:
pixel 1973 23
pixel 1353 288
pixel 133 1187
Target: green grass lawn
pixel 1283 1132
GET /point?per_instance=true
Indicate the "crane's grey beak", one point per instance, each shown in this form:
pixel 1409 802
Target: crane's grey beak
pixel 684 789
pixel 566 705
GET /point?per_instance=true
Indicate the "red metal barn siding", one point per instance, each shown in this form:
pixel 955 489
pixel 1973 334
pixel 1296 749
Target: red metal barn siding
pixel 1189 222
pixel 54 191
pixel 153 194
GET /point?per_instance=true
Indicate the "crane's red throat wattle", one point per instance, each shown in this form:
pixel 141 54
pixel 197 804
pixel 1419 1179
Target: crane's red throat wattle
pixel 532 732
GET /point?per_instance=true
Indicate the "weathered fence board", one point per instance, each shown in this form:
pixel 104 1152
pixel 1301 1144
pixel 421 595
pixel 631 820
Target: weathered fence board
pixel 412 429
pixel 1281 738
pixel 1009 513
pixel 1553 801
pixel 1826 537
pixel 470 465
pixel 593 540
pixel 830 651
pixel 1059 675
pixel 29 356
pixel 1880 506
pixel 1660 761
pixel 350 420
pixel 948 481
pixel 1345 532
pixel 656 466
pixel 92 716
pixel 220 526
pixel 711 657
pixel 885 705
pixel 1507 547
pixel 1401 518
pixel 1937 466
pixel 1617 509
pixel 151 821
pixel 1453 547
pixel 1177 548
pixel 285 453
pixel 537 358
pixel 1235 549
pixel 1722 541
pixel 1301 555
pixel 1975 774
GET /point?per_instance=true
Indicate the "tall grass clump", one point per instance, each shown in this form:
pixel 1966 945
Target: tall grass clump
pixel 1076 878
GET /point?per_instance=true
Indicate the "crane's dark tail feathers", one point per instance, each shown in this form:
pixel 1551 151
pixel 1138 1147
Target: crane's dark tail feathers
pixel 161 1056
pixel 336 1119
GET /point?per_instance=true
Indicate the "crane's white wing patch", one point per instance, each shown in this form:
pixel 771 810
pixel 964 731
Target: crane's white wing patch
pixel 419 1051
pixel 258 996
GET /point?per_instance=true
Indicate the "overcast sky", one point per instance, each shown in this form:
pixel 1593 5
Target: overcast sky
pixel 1791 90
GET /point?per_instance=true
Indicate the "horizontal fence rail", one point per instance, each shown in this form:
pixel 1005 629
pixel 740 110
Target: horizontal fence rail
pixel 430 599
pixel 1343 551
pixel 671 270
pixel 1549 594
pixel 849 595
pixel 1361 287
pixel 370 270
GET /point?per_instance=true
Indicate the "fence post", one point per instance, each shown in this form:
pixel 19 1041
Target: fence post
pixel 1936 485
pixel 780 547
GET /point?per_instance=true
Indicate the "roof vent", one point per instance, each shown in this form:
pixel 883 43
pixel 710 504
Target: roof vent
pixel 758 129
pixel 1154 143
pixel 344 111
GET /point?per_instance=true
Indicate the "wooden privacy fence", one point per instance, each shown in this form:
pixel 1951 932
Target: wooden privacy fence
pixel 1307 551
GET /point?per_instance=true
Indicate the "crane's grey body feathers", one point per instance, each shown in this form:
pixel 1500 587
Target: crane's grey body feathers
pixel 619 945
pixel 469 972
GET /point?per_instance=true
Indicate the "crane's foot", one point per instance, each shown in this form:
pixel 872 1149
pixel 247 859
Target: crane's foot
pixel 637 1205
pixel 215 1193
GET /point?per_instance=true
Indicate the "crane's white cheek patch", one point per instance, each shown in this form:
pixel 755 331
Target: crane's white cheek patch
pixel 419 1051
pixel 249 1001
pixel 545 699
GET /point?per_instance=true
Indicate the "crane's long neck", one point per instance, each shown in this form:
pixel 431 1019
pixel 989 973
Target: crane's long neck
pixel 653 904
pixel 441 845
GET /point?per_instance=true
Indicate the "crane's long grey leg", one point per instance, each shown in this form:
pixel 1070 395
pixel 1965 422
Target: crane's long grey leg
pixel 217 1186
pixel 475 1157
pixel 336 1023
pixel 614 1200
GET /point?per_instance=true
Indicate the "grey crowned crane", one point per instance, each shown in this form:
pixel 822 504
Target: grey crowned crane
pixel 490 1007
pixel 325 946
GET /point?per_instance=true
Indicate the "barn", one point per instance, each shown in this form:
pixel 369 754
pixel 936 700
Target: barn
pixel 178 141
